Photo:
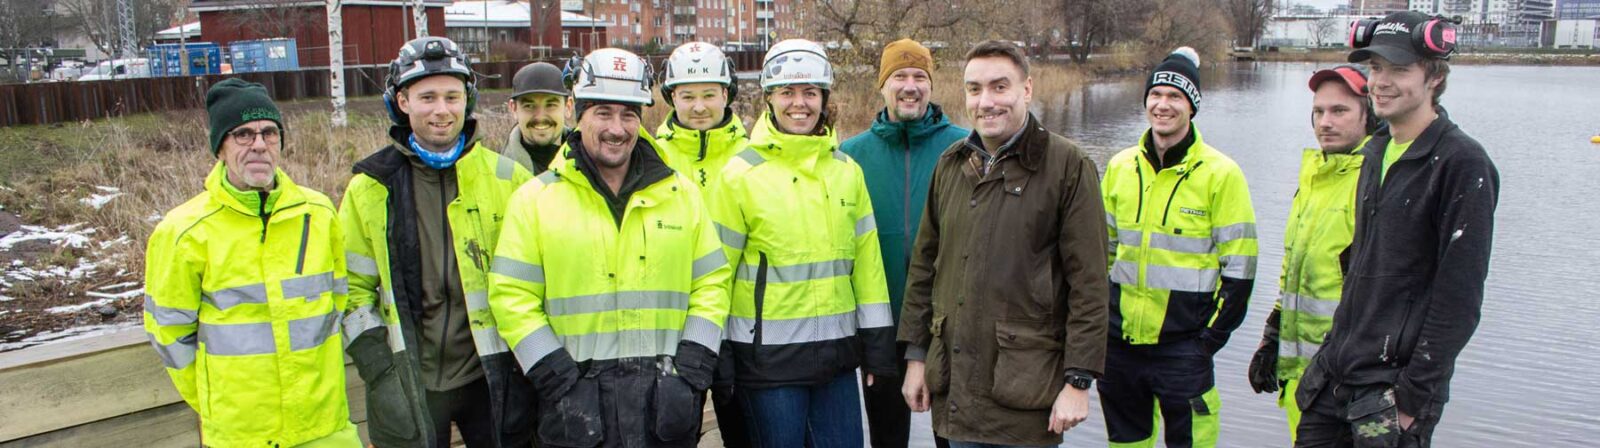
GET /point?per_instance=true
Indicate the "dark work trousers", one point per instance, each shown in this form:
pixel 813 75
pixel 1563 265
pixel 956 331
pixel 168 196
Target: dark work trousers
pixel 888 418
pixel 1176 375
pixel 730 417
pixel 627 403
pixel 1365 416
pixel 468 407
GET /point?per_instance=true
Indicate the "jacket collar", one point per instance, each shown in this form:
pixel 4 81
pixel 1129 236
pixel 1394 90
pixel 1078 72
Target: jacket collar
pixel 896 132
pixel 686 142
pixel 1422 147
pixel 802 150
pixel 1030 144
pixel 645 164
pixel 289 195
pixel 515 141
pixel 1191 151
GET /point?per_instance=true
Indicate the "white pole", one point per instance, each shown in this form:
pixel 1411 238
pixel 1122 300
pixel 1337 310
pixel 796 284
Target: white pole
pixel 336 61
pixel 419 14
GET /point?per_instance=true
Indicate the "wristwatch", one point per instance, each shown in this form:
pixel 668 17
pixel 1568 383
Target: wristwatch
pixel 1080 380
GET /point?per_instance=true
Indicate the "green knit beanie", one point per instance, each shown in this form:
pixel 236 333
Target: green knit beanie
pixel 234 102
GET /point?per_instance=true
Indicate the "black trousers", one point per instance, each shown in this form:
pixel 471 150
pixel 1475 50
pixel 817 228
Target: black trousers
pixel 888 418
pixel 1365 416
pixel 1175 379
pixel 627 403
pixel 730 417
pixel 468 407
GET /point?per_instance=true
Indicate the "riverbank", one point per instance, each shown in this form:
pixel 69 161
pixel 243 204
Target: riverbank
pixel 1485 57
pixel 78 200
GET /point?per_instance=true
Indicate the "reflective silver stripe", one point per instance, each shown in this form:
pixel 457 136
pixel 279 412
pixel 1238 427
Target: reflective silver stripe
pixel 179 353
pixel 548 177
pixel 752 157
pixel 237 339
pixel 311 287
pixel 709 263
pixel 488 342
pixel 793 331
pixel 169 316
pixel 730 237
pixel 360 264
pixel 874 315
pixel 1309 305
pixel 477 300
pixel 1125 272
pixel 504 169
pixel 698 330
pixel 837 154
pixel 1111 220
pixel 508 267
pixel 358 321
pixel 535 347
pixel 1241 267
pixel 1297 349
pixel 310 332
pixel 866 224
pixel 397 341
pixel 622 344
pixel 1130 237
pixel 341 285
pixel 800 272
pixel 228 298
pixel 1233 232
pixel 1181 279
pixel 1184 244
pixel 620 300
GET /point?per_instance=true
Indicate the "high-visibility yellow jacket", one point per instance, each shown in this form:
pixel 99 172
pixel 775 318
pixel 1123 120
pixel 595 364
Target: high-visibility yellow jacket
pixel 243 307
pixel 1322 222
pixel 1183 245
pixel 568 276
pixel 702 154
pixel 809 298
pixel 378 215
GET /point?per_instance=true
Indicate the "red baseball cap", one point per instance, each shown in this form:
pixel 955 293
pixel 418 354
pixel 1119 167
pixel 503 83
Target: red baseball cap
pixel 1354 77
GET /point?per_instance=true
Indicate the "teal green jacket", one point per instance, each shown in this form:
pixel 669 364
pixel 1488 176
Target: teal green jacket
pixel 898 159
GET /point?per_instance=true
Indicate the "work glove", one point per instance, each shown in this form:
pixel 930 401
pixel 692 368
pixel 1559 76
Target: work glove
pixel 696 364
pixel 554 376
pixel 1264 367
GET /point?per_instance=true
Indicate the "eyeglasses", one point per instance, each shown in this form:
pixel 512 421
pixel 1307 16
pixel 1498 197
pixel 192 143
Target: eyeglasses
pixel 246 137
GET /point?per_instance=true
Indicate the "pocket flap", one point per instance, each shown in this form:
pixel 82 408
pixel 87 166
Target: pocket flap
pixel 1375 401
pixel 938 326
pixel 1023 334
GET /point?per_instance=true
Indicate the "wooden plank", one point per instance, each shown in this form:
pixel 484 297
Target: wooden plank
pixel 173 426
pixel 64 385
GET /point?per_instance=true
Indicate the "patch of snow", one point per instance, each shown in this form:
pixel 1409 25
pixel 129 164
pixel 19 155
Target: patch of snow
pixel 108 189
pixel 5 188
pixel 115 296
pixel 76 308
pixel 154 217
pixel 70 334
pixel 4 298
pixel 99 200
pixel 120 240
pixel 119 285
pixel 71 235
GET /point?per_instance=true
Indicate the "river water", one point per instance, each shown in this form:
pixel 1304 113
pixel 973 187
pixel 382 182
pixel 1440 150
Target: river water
pixel 1531 375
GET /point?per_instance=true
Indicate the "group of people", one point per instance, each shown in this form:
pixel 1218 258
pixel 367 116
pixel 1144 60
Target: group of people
pixel 591 286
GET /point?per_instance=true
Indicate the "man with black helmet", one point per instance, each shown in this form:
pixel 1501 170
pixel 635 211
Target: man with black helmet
pixel 1413 287
pixel 539 101
pixel 421 217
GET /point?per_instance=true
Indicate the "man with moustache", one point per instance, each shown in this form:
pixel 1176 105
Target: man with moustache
pixel 898 154
pixel 539 101
pixel 421 217
pixel 1183 261
pixel 1004 317
pixel 609 282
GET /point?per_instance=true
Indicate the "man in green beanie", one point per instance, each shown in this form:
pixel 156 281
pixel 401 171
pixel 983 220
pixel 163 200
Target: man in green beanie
pixel 248 280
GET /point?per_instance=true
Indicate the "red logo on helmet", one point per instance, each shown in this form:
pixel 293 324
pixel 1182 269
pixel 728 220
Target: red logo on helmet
pixel 619 63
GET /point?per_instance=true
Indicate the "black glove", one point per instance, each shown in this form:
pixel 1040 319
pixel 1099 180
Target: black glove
pixel 1264 367
pixel 696 364
pixel 553 376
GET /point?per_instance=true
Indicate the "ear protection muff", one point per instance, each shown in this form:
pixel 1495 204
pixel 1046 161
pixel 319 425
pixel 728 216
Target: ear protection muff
pixel 1435 38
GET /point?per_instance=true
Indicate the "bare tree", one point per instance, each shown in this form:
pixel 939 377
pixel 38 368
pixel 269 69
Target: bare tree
pixel 97 20
pixel 862 27
pixel 539 12
pixel 275 18
pixel 1249 19
pixel 1174 23
pixel 1323 31
pixel 1089 23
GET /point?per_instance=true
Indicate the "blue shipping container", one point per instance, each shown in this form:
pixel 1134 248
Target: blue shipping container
pixel 205 58
pixel 266 55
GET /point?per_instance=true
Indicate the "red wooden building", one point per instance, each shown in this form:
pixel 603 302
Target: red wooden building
pixel 374 30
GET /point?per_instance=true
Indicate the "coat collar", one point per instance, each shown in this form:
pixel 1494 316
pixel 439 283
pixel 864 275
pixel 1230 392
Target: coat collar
pixel 896 132
pixel 1030 145
pixel 289 194
pixel 731 129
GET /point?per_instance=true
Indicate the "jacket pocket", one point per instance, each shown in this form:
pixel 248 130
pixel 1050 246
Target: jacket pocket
pixel 1374 419
pixel 1029 357
pixel 389 412
pixel 937 371
pixel 518 408
pixel 574 420
pixel 673 409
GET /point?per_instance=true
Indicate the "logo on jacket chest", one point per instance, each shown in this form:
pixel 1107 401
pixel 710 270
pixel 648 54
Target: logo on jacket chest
pixel 663 225
pixel 1193 212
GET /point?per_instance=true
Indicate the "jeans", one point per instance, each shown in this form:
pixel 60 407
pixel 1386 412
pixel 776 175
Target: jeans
pixel 826 415
pixel 960 444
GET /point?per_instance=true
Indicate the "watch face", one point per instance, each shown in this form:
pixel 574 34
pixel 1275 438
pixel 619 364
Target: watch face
pixel 1082 383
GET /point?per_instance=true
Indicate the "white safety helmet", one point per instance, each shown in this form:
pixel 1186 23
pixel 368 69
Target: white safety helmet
pixel 796 61
pixel 696 62
pixel 610 75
